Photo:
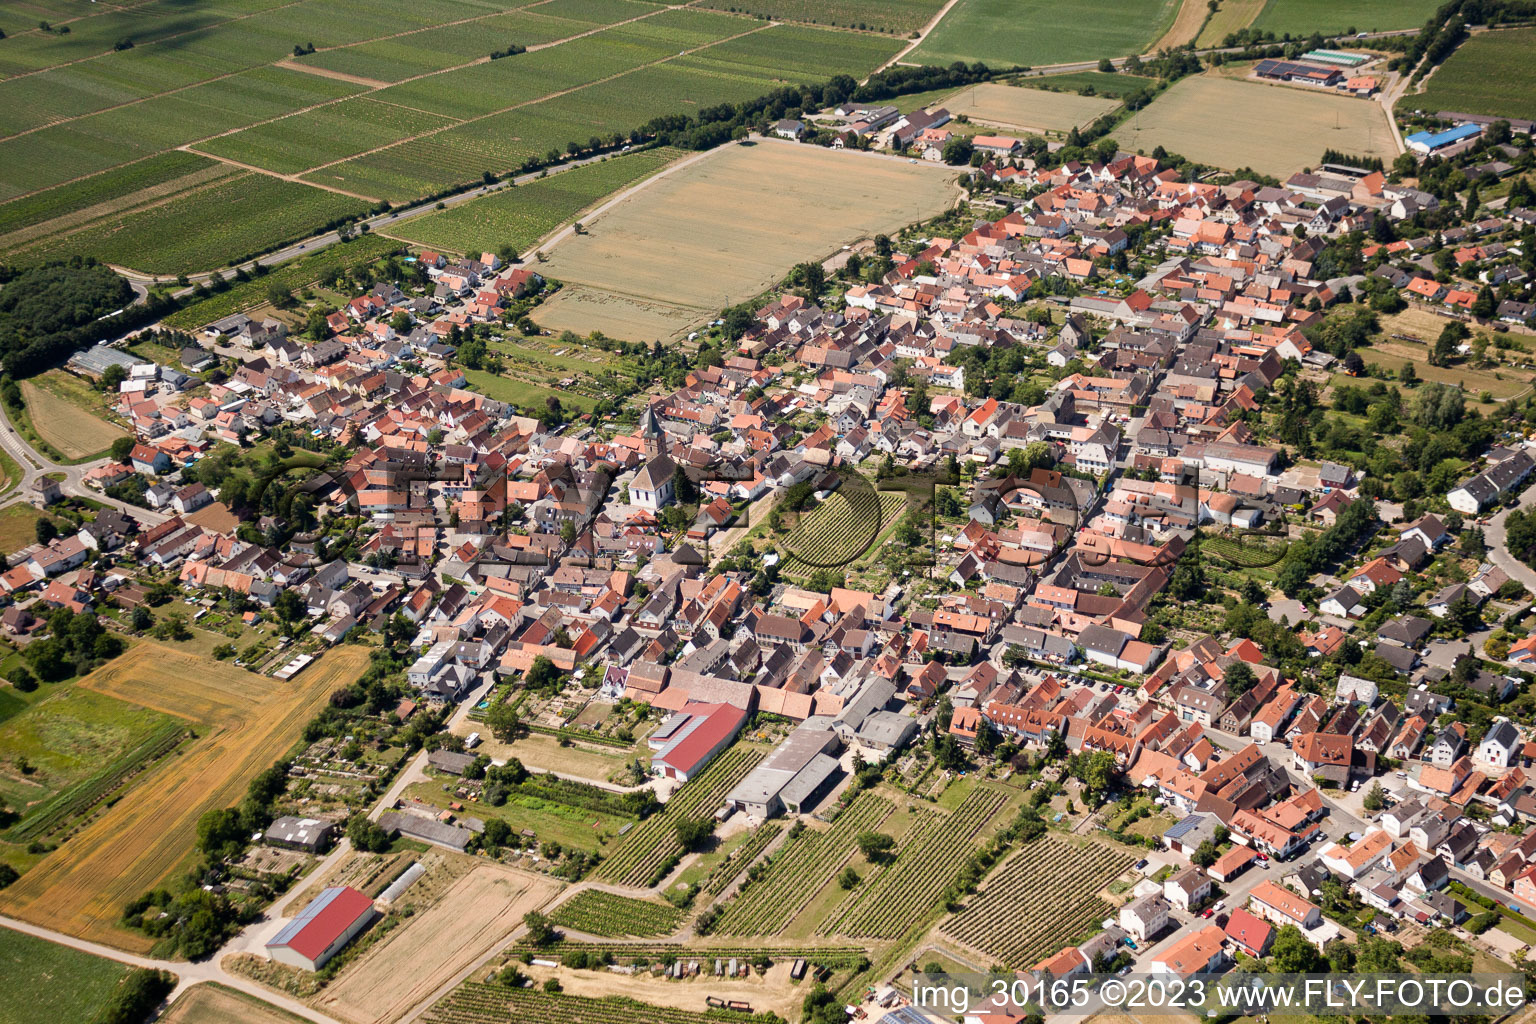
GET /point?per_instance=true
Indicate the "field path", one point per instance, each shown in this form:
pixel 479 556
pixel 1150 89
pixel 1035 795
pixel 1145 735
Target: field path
pixel 922 34
pixel 541 99
pixel 187 973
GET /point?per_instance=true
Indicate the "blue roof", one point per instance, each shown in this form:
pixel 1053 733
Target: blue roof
pixel 1434 140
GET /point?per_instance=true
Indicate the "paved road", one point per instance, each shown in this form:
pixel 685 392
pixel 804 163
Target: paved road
pixel 34 464
pixel 1498 552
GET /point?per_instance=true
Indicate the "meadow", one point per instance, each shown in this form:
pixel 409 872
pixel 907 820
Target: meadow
pixel 46 983
pixel 1183 120
pixel 1029 110
pixel 65 412
pixel 900 17
pixel 520 216
pixel 1491 73
pixel 245 723
pixel 18 527
pixel 1006 33
pixel 712 234
pixel 1303 17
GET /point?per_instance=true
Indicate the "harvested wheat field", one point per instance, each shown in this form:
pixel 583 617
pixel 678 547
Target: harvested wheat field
pixel 1029 110
pixel 65 423
pixel 215 1004
pixel 476 915
pixel 246 723
pixel 727 227
pixel 1274 129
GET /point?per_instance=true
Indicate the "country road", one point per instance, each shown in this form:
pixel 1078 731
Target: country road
pixel 1497 539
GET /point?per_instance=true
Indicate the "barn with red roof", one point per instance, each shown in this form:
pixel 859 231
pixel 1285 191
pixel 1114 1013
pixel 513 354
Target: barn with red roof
pixel 689 740
pixel 330 921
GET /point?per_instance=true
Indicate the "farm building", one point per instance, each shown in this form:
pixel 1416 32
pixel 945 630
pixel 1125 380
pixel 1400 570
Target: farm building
pixel 1434 142
pixel 308 834
pixel 330 921
pixel 799 772
pixel 689 740
pixel 427 830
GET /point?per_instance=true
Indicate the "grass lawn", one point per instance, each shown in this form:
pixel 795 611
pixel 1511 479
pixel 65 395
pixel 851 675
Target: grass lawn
pixel 1005 33
pixel 568 826
pixel 46 983
pixel 1491 73
pixel 523 393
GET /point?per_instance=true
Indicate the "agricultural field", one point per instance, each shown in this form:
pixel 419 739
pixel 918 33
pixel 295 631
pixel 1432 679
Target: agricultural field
pixel 844 526
pixel 1180 121
pixel 1303 17
pixel 1042 897
pixel 728 870
pixel 668 238
pixel 46 983
pixel 65 412
pixel 397 101
pixel 1491 73
pixel 1231 16
pixel 651 848
pixel 1029 110
pixel 1186 25
pixel 479 1003
pixel 802 866
pixel 1008 33
pixel 474 916
pixel 246 722
pixel 606 915
pixel 899 17
pixel 521 216
pixel 214 226
pixel 212 1003
pixel 65 753
pixel 893 899
pixel 102 195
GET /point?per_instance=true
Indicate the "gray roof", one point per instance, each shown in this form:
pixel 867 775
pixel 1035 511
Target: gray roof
pixel 808 780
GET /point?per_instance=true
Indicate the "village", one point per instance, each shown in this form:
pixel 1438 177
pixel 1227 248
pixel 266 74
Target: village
pixel 1122 552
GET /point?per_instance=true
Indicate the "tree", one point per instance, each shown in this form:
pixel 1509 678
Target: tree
pixel 958 150
pixel 877 847
pixel 497 833
pixel 1205 854
pixel 540 931
pixel 693 833
pixel 111 377
pixel 1239 679
pixel 46 530
pixel 1293 953
pixel 683 487
pixel 366 835
pixel 141 618
pixel 1375 799
pixel 289 606
pixel 849 878
pixel 567 533
pixel 812 278
pixel 503 721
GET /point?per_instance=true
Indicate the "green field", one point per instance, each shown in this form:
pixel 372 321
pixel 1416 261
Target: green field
pixel 521 216
pixel 522 393
pixel 45 983
pixel 1492 73
pixel 210 227
pixel 900 17
pixel 1303 17
pixel 375 111
pixel 64 752
pixel 609 916
pixel 1005 33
